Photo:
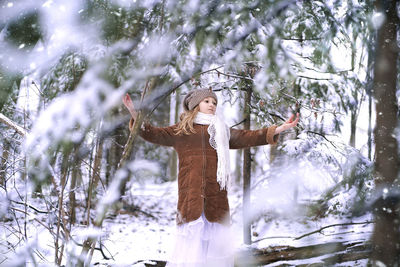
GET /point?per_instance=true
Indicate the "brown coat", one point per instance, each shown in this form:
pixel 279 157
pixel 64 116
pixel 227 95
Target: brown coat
pixel 197 179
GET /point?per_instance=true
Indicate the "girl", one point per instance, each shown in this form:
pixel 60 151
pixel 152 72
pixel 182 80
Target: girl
pixel 202 141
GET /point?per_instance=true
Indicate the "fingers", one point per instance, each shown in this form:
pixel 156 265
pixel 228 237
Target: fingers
pixel 127 98
pixel 297 119
pixel 127 101
pixel 290 119
pixel 291 122
pixel 129 104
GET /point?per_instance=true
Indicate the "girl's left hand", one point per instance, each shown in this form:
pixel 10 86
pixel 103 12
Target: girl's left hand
pixel 290 123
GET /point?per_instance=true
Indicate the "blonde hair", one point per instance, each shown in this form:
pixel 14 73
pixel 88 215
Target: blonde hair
pixel 185 126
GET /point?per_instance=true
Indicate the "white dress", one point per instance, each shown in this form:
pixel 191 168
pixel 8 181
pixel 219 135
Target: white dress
pixel 202 243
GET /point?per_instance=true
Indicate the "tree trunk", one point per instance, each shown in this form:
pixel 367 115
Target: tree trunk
pixel 174 155
pixel 109 159
pixel 353 108
pixel 353 127
pixel 239 154
pixel 60 216
pixel 247 174
pixel 97 168
pixel 115 148
pixel 120 140
pixel 370 66
pixel 238 169
pixel 4 159
pixel 386 235
pixel 72 198
pixel 369 142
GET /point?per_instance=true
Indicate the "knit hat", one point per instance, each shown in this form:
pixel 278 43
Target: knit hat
pixel 193 98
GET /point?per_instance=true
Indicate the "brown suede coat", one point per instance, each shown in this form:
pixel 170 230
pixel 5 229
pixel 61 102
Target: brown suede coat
pixel 197 179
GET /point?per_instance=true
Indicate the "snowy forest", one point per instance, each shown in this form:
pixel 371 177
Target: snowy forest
pixel 79 188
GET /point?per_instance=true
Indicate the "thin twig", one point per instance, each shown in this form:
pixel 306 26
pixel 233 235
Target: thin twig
pixel 301 39
pixel 276 115
pixel 329 226
pixel 238 123
pixel 94 172
pixel 334 112
pixel 41 223
pixel 313 78
pixel 330 72
pixel 235 76
pixel 270 237
pixel 323 137
pixel 210 70
pixel 30 206
pixel 313 232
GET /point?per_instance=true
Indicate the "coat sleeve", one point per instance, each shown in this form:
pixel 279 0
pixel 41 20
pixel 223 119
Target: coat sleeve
pixel 164 136
pixel 249 138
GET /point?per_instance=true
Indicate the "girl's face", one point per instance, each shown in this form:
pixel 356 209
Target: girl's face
pixel 208 105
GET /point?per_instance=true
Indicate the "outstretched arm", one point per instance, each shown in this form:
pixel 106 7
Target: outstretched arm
pixel 162 136
pixel 290 123
pixel 248 138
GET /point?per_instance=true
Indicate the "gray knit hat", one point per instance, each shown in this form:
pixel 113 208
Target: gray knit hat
pixel 193 98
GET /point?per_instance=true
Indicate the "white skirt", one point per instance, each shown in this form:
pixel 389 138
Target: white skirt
pixel 202 243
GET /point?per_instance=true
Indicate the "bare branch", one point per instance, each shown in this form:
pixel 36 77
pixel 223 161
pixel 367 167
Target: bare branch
pixel 12 125
pixel 329 226
pixel 302 40
pixel 30 206
pixel 313 78
pixel 323 136
pixel 37 220
pixel 234 76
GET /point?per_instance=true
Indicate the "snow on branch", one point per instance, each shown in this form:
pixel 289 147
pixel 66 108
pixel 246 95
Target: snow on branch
pixel 12 124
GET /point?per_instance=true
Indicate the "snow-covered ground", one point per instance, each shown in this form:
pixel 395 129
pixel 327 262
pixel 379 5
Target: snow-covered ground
pixel 132 237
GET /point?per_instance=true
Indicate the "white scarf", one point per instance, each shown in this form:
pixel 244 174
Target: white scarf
pixel 219 140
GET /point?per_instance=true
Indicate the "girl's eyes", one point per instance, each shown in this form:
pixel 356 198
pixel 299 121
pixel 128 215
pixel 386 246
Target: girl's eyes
pixel 214 103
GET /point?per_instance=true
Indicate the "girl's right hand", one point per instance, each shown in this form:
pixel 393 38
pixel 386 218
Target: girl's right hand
pixel 290 123
pixel 129 105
